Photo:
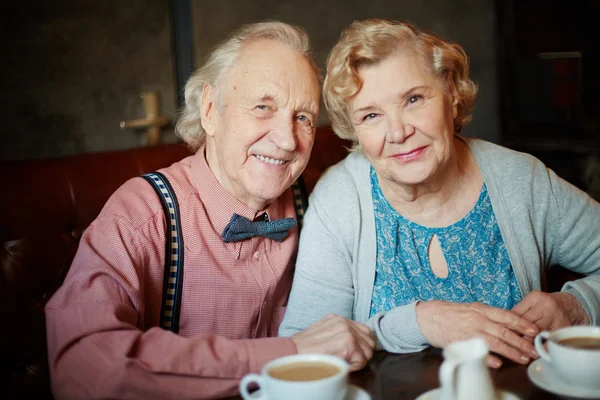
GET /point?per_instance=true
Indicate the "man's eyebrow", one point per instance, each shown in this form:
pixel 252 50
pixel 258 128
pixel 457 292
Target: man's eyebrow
pixel 404 95
pixel 270 98
pixel 310 110
pixel 266 97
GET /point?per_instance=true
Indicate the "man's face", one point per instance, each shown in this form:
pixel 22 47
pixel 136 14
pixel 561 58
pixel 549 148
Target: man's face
pixel 261 133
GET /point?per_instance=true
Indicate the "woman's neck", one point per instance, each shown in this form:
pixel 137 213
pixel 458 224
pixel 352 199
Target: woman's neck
pixel 444 199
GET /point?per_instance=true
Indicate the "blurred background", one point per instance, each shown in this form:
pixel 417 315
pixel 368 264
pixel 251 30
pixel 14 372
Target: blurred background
pixel 73 70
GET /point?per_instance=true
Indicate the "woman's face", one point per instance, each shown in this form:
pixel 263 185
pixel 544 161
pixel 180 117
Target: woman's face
pixel 403 120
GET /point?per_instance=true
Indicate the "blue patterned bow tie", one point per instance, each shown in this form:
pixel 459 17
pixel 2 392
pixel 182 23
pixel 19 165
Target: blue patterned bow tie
pixel 240 228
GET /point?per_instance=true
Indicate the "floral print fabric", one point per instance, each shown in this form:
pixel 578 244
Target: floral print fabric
pixel 479 269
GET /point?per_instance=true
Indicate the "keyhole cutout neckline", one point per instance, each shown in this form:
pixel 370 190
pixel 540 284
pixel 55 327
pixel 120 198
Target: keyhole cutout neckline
pixel 436 258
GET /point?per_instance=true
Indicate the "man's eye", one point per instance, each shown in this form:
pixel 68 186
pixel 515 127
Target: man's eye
pixel 304 119
pixel 262 107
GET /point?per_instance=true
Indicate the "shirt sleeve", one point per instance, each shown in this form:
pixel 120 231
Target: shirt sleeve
pixel 325 279
pixel 97 349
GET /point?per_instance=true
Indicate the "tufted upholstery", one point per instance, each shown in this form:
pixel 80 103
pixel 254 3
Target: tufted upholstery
pixel 45 207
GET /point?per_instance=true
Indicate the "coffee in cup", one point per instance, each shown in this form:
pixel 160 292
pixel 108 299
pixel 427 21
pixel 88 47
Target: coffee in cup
pixel 303 371
pixel 300 377
pixel 574 353
pixel 581 342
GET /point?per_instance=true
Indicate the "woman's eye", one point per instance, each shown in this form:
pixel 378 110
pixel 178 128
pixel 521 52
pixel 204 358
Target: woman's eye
pixel 369 116
pixel 414 98
pixel 262 107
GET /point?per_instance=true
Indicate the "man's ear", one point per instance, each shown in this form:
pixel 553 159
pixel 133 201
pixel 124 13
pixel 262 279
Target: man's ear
pixel 208 109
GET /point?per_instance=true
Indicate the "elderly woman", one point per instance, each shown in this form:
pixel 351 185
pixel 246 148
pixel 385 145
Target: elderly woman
pixel 427 236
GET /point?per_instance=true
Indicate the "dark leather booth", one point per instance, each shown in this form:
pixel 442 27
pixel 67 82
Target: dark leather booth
pixel 45 207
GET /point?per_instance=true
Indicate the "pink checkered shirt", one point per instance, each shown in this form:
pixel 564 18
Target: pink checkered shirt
pixel 103 335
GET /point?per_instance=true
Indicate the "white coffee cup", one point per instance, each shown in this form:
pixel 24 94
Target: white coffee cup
pixel 577 366
pixel 275 380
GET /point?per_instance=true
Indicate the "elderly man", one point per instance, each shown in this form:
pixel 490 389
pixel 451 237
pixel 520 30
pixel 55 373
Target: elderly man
pixel 250 115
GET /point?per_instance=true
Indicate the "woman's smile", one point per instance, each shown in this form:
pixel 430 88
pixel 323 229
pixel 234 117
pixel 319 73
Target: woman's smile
pixel 411 155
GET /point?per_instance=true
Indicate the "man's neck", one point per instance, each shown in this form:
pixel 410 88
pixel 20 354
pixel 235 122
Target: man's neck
pixel 216 168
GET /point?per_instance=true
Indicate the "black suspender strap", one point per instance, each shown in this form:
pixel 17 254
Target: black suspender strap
pixel 300 200
pixel 173 275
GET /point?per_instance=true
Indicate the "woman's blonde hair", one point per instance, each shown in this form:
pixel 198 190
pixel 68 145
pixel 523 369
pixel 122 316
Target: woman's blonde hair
pixel 371 41
pixel 218 63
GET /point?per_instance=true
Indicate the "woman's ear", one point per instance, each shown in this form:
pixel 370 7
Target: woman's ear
pixel 454 106
pixel 453 96
pixel 207 109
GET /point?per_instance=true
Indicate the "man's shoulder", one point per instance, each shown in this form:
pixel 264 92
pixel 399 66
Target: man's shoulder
pixel 136 202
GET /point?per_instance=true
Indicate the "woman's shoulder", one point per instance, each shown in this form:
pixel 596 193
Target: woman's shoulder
pixel 350 170
pixel 345 181
pixel 504 162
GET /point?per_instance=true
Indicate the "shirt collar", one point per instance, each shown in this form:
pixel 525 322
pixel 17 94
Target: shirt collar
pixel 220 205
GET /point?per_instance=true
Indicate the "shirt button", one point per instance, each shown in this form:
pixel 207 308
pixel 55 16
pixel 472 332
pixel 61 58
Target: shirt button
pixel 256 254
pixel 264 304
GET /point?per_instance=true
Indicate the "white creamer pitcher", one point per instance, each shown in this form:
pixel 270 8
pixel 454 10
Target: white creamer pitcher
pixel 464 374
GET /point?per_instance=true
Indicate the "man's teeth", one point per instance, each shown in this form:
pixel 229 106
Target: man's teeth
pixel 269 160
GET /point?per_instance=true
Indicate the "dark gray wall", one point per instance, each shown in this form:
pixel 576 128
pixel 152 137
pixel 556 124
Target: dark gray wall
pixel 471 23
pixel 73 69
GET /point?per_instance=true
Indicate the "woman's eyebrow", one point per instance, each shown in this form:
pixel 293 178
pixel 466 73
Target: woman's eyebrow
pixel 363 109
pixel 403 95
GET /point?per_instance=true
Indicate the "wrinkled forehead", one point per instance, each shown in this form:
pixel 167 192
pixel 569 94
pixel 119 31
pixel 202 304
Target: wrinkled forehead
pixel 415 68
pixel 267 68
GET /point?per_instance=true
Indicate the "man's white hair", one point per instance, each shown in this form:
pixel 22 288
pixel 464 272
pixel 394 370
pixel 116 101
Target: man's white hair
pixel 218 63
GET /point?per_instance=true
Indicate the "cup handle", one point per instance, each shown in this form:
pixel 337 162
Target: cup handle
pixel 248 379
pixel 447 383
pixel 539 345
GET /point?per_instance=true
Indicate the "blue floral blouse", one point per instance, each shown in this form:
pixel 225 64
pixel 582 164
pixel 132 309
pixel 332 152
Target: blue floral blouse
pixel 479 269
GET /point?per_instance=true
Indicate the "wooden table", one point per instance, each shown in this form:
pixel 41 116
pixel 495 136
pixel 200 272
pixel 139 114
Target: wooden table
pixel 406 376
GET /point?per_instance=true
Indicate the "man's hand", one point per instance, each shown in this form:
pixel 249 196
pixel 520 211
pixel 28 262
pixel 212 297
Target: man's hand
pixel 340 337
pixel 551 311
pixel 506 333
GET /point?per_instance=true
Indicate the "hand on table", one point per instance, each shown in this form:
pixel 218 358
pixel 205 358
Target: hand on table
pixel 506 332
pixel 340 337
pixel 551 311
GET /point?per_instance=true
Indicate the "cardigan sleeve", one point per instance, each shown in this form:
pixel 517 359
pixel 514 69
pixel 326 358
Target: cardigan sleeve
pixel 328 276
pixel 577 238
pixel 544 220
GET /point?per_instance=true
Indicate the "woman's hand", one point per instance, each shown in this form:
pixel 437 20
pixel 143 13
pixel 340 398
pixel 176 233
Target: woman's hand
pixel 340 337
pixel 506 333
pixel 552 310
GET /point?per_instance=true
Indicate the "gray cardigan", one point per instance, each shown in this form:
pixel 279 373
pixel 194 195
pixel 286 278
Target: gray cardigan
pixel 543 220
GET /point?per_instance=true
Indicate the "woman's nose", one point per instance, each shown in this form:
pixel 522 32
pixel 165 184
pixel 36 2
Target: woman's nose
pixel 399 130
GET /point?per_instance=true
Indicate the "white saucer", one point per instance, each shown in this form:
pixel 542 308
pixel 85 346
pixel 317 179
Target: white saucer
pixel 436 394
pixel 354 393
pixel 543 375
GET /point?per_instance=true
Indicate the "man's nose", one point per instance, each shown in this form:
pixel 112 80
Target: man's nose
pixel 283 134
